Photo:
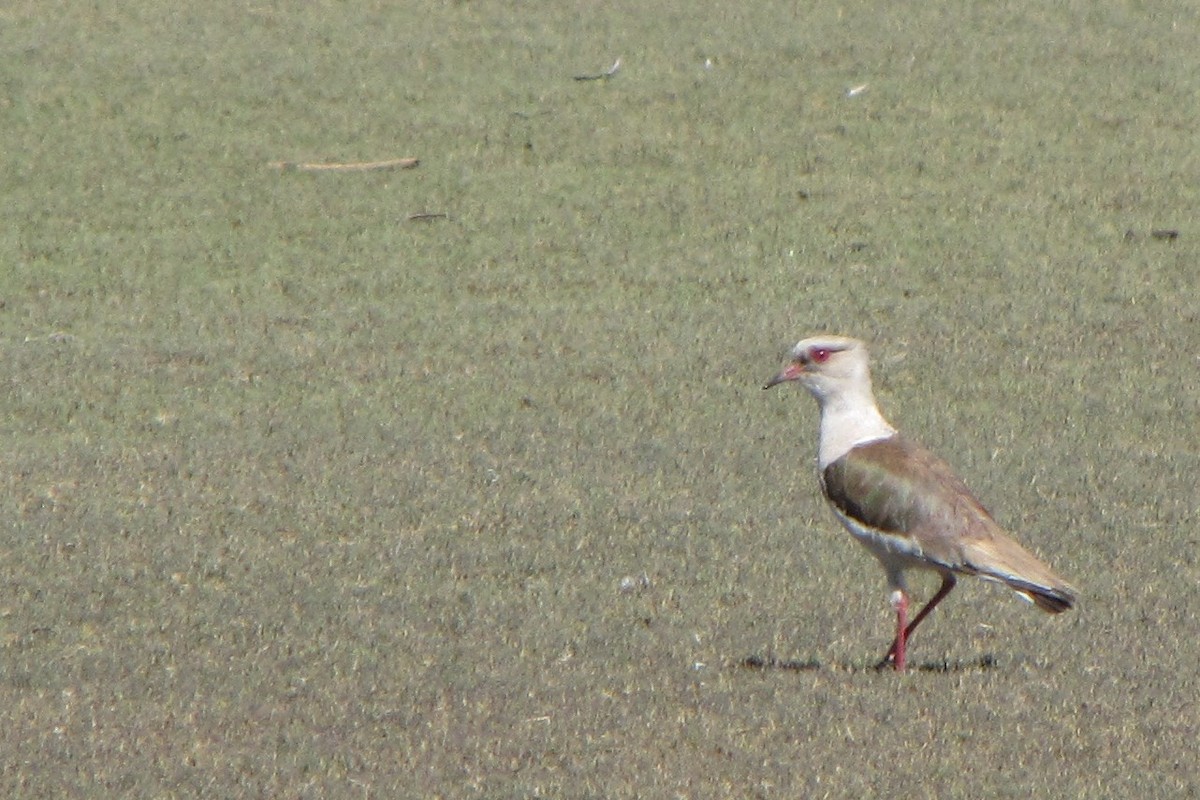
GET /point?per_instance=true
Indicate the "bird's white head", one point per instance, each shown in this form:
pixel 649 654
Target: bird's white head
pixel 835 370
pixel 828 366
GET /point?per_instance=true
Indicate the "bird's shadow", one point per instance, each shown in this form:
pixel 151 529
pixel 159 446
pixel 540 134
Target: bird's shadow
pixel 983 663
pixel 765 663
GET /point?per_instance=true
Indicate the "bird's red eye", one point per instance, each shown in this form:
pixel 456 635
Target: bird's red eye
pixel 819 355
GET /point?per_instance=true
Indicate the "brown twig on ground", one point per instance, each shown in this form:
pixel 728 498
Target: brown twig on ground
pixel 352 166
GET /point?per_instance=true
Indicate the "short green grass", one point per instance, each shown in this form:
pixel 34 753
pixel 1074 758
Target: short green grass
pixel 306 498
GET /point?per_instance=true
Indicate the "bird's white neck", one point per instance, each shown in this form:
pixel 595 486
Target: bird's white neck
pixel 849 418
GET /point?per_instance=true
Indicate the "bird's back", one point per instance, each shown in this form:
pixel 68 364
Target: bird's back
pixel 901 490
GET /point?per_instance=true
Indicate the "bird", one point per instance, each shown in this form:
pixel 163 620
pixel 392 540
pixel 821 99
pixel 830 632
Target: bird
pixel 904 504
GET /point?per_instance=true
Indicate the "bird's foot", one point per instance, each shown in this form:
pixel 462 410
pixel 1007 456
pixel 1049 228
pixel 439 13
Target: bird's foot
pixel 889 660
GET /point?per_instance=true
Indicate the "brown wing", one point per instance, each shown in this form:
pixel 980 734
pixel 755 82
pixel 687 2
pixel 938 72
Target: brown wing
pixel 897 487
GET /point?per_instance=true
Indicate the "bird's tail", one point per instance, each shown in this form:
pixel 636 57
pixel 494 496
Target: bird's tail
pixel 1003 560
pixel 1052 599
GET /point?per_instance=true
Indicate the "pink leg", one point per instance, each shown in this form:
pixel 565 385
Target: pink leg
pixel 896 655
pixel 899 646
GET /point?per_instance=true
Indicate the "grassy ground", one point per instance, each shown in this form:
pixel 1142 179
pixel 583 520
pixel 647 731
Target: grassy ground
pixel 305 498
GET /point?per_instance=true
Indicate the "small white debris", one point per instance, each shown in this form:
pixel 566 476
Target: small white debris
pixel 599 76
pixel 855 91
pixel 634 583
